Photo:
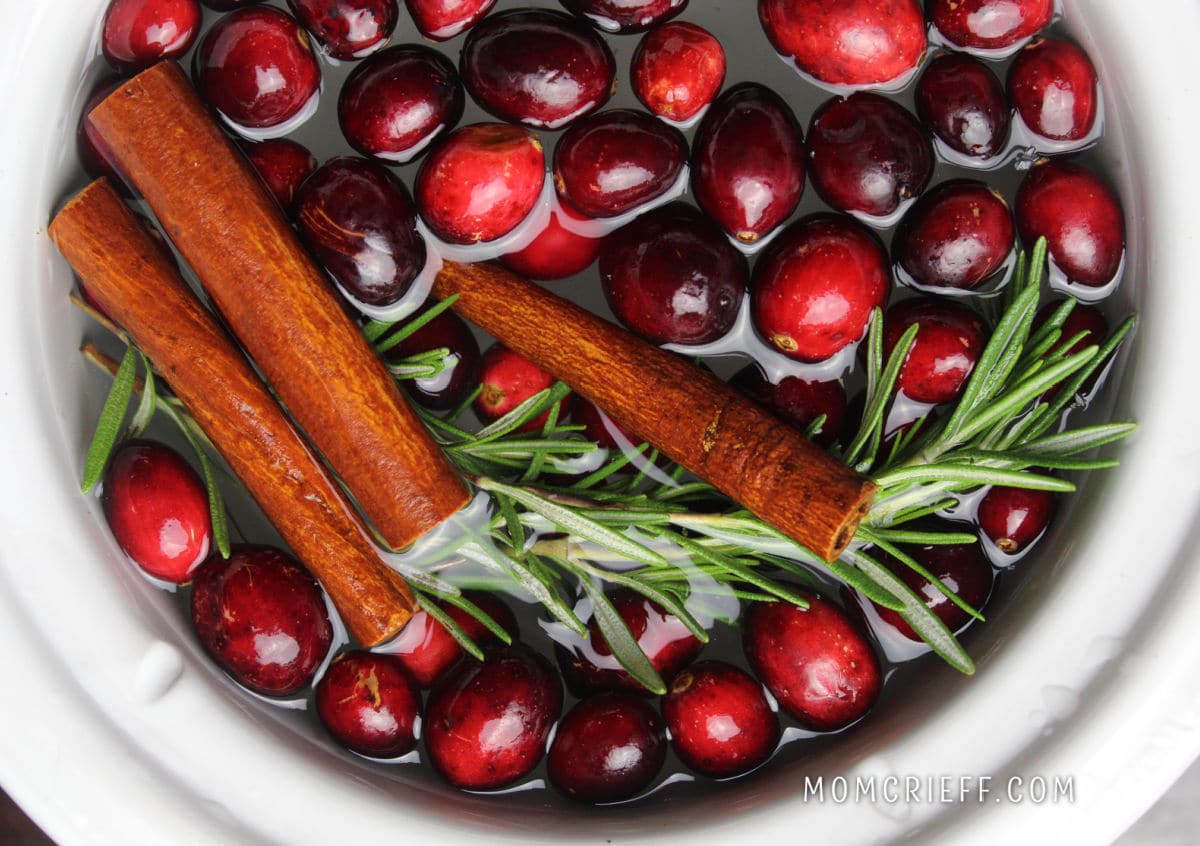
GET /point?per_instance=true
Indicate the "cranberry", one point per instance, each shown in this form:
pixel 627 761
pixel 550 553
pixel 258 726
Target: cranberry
pixel 625 15
pixel 948 343
pixel 480 182
pixel 599 430
pixel 138 33
pixel 538 67
pixel 989 24
pixel 852 42
pixel 607 748
pixel 614 161
pixel 348 29
pixel 228 5
pixel 748 165
pixel 960 567
pixel 1080 218
pixel 256 67
pixel 368 703
pixel 813 290
pixel 797 400
pixel 589 667
pixel 157 509
pixel 955 236
pixel 361 226
pixel 1013 518
pixel 462 366
pixel 508 380
pixel 283 165
pixel 443 19
pixel 556 252
pixel 963 102
pixel 428 651
pixel 815 661
pixel 94 152
pixel 1084 323
pixel 720 721
pixel 673 277
pixel 1054 88
pixel 867 154
pixel 262 618
pixel 677 70
pixel 486 723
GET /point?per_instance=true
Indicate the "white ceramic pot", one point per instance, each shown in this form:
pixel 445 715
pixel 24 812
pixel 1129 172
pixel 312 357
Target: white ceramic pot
pixel 115 729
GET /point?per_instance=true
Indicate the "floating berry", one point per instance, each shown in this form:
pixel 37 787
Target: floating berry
pixel 625 15
pixel 943 355
pixel 157 509
pixel 814 288
pixel 960 567
pixel 557 251
pixel 348 29
pixel 137 33
pixel 282 164
pixel 797 400
pixel 677 70
pixel 607 748
pixel 1054 88
pixel 94 152
pixel 1013 518
pixel 462 365
pixel 991 25
pixel 443 19
pixel 262 618
pixel 508 380
pixel 963 103
pixel 368 703
pixel 720 721
pixel 428 651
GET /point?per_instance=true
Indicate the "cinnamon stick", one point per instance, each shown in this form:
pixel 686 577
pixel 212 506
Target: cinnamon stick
pixel 686 413
pixel 127 273
pixel 277 302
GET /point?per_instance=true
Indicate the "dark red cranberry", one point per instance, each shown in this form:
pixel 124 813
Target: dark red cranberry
pixel 677 70
pixel 797 401
pixel 868 154
pixel 963 102
pixel 599 430
pixel 538 67
pixel 989 24
pixel 157 509
pixel 852 42
pixel 748 164
pixel 443 19
pixel 1013 518
pixel 607 748
pixel 557 251
pixel 262 618
pixel 283 165
pixel 462 366
pixel 480 182
pixel 360 224
pixel 138 33
pixel 1054 88
pixel 369 704
pixel 228 5
pixel 955 236
pixel 94 152
pixel 1079 216
pixel 348 29
pixel 720 721
pixel 427 650
pixel 816 662
pixel 508 380
pixel 486 723
pixel 948 343
pixel 616 160
pixel 625 15
pixel 394 104
pixel 256 67
pixel 1085 324
pixel 672 276
pixel 589 667
pixel 814 288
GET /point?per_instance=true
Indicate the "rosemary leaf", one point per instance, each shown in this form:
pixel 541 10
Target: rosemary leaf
pixel 621 641
pixel 145 409
pixel 430 607
pixel 966 474
pixel 488 622
pixel 112 418
pixel 376 329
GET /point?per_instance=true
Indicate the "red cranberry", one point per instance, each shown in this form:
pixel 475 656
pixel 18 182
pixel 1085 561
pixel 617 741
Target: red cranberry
pixel 989 24
pixel 677 70
pixel 852 42
pixel 867 154
pixel 348 29
pixel 368 703
pixel 361 226
pixel 428 651
pixel 443 19
pixel 508 380
pixel 948 343
pixel 262 618
pixel 283 165
pixel 557 252
pixel 228 5
pixel 963 102
pixel 538 67
pixel 1079 216
pixel 480 182
pixel 138 33
pixel 256 67
pixel 1082 319
pixel 614 161
pixel 815 661
pixel 596 428
pixel 720 721
pixel 955 236
pixel 748 166
pixel 1054 88
pixel 462 366
pixel 814 288
pixel 398 101
pixel 625 15
pixel 607 748
pixel 157 509
pixel 797 401
pixel 672 276
pixel 94 152
pixel 486 723
pixel 1013 518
